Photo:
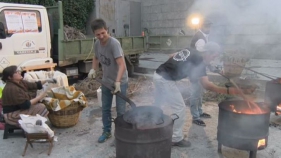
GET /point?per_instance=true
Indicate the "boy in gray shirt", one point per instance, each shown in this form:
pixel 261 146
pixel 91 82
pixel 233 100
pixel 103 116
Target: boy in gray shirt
pixel 109 54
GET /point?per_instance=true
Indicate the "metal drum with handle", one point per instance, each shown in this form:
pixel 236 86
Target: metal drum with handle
pixel 143 131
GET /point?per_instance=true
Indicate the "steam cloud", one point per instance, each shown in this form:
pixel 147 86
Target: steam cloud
pixel 251 25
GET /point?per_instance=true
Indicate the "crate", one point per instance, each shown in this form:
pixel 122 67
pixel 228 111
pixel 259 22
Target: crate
pixel 49 66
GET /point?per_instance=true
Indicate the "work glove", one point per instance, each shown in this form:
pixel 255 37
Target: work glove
pixel 93 74
pixel 47 87
pixel 117 87
pixel 51 80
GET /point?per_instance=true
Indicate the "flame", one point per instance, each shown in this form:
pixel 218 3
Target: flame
pixel 261 143
pixel 278 109
pixel 234 110
pixel 252 108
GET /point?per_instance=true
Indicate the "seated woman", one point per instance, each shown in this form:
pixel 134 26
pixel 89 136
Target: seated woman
pixel 16 98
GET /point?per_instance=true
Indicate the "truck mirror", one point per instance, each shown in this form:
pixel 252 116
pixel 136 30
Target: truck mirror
pixel 2 31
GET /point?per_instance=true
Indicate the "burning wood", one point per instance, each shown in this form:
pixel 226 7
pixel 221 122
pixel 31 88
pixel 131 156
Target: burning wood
pixel 278 109
pixel 234 110
pixel 254 107
pixel 248 109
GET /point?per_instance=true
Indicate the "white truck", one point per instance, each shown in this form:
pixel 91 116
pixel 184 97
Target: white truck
pixel 25 38
pixel 32 37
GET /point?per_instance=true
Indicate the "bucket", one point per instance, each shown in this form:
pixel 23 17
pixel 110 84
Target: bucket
pixel 99 98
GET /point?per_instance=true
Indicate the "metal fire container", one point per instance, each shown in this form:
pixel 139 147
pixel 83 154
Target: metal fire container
pixel 242 131
pixel 143 131
pixel 273 94
pixel 149 142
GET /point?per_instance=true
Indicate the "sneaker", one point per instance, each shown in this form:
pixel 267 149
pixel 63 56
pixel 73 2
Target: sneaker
pixel 104 137
pixel 182 143
pixel 199 123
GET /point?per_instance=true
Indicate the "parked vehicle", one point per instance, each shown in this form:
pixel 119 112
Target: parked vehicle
pixel 32 37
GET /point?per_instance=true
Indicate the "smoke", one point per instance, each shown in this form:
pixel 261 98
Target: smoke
pixel 251 25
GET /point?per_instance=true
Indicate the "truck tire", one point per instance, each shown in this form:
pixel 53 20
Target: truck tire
pixel 130 66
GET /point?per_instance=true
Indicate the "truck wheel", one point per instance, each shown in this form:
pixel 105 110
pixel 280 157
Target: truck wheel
pixel 130 67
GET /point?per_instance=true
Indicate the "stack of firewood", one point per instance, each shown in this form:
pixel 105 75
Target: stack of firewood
pixel 88 86
pixel 71 33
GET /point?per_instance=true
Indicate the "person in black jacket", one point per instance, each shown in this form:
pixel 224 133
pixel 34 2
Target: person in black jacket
pixel 201 37
pixel 187 63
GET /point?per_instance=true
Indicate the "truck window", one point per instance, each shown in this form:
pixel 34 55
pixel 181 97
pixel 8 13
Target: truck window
pixel 21 21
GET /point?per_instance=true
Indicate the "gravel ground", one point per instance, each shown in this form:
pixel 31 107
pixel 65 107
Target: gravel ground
pixel 80 141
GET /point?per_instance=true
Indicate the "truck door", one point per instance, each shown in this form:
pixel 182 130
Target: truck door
pixel 26 38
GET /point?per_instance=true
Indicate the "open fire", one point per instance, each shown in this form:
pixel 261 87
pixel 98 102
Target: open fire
pixel 261 143
pixel 251 109
pixel 243 125
pixel 278 109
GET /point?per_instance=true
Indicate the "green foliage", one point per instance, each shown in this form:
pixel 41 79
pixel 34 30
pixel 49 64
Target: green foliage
pixel 75 12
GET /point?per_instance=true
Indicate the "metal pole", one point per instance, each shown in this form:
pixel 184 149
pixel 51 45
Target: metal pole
pixel 253 154
pixel 256 72
pixel 219 147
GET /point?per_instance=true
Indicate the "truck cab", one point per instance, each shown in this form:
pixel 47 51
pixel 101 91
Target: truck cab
pixel 24 35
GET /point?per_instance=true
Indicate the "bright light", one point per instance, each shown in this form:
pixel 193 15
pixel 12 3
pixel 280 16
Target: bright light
pixel 195 21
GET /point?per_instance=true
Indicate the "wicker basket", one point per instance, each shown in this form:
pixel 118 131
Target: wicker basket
pixel 230 65
pixel 66 117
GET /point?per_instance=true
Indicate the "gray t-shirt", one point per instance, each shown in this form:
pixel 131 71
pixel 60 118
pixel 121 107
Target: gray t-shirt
pixel 107 57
